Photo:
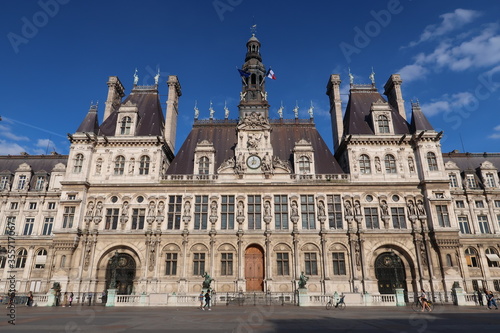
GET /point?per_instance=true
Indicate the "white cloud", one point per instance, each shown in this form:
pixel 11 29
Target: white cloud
pixel 450 22
pixel 447 103
pixel 494 136
pixel 6 132
pixel 413 72
pixel 10 148
pixel 44 147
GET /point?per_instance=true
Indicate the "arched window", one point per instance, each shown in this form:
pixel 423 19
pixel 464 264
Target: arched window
pixel 63 261
pixel 390 164
pixel 144 165
pixel 77 168
pixel 432 161
pixel 41 258
pixel 126 124
pixel 492 256
pixel 364 164
pixel 21 258
pixel 471 257
pixel 449 262
pixel 383 124
pixel 304 165
pixel 203 164
pixel 119 165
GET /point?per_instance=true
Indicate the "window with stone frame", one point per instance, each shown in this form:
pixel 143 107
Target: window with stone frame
pixel 281 212
pixel 174 212
pixel 28 226
pixel 198 264
pixel 449 261
pixel 471 181
pixel 119 165
pixel 41 259
pixel 471 257
pixel 484 226
pixel 463 223
pixel 492 257
pixel 125 125
pixel 453 180
pixel 203 166
pixel 497 203
pixel 21 182
pixel 170 264
pixel 334 205
pixel 226 263
pixel 390 164
pixel 310 263
pixel 490 180
pixel 78 163
pixel 432 161
pixel 138 217
pixel 10 225
pixel 282 263
pixel 227 212
pixel 14 205
pixel 48 223
pixel 68 216
pixel 40 182
pixel 364 164
pixel 200 212
pixel 496 285
pixel 460 204
pixel 22 255
pixel 3 260
pixel 144 165
pixel 304 165
pixel 4 182
pixel 479 204
pixel 307 212
pixel 443 216
pixel 398 218
pixel 112 215
pixel 32 205
pixel 371 218
pixel 339 267
pixel 383 124
pixel 254 212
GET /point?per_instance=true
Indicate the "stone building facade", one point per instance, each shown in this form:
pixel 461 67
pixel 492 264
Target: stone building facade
pixel 254 201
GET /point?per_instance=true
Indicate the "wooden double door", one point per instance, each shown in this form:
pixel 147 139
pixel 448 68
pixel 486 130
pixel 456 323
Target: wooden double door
pixel 254 268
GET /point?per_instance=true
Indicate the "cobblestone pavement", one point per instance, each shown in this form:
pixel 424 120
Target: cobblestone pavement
pixel 289 319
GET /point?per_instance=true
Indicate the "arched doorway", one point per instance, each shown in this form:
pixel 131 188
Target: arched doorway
pixel 390 273
pixel 254 268
pixel 125 273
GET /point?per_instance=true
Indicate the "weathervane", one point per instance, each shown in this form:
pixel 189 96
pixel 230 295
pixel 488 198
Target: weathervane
pixel 196 111
pixel 253 29
pixel 372 77
pixel 136 77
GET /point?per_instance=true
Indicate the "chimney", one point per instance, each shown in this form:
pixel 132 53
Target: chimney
pixel 174 92
pixel 115 94
pixel 394 95
pixel 333 91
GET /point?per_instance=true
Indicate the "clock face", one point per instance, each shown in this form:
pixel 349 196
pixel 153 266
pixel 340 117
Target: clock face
pixel 253 162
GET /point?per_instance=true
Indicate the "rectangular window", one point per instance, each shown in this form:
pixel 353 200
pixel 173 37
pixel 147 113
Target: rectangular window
pixel 471 181
pixel 21 183
pixel 28 226
pixel 310 263
pixel 338 263
pixel 68 216
pixel 334 212
pixel 498 219
pixel 371 218
pixel 254 212
pixel 14 205
pixel 282 263
pixel 40 181
pixel 47 226
pixel 226 262
pixel 112 215
pixel 490 180
pixel 227 212
pixel 453 180
pixel 174 212
pixel 496 285
pixel 484 227
pixel 307 211
pixel 463 223
pixel 71 196
pixel 479 204
pixel 10 225
pixel 171 263
pixel 497 203
pixel 4 182
pixel 138 217
pixel 51 205
pixel 398 218
pixel 460 204
pixel 281 212
pixel 443 217
pixel 32 205
pixel 201 212
pixel 198 264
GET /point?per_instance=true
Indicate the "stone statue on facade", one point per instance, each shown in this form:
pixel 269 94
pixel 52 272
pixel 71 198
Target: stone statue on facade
pixel 420 208
pixel 303 280
pixel 208 280
pixel 348 208
pixel 187 208
pixel 321 208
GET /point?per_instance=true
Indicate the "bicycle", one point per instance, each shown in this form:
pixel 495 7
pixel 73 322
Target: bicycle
pixel 417 305
pixel 339 305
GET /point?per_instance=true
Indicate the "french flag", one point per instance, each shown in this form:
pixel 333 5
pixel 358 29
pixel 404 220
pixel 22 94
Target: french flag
pixel 270 74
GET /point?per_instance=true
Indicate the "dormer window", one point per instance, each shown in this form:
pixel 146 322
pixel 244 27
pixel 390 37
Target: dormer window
pixel 21 183
pixel 432 161
pixel 119 165
pixel 471 181
pixel 77 168
pixel 364 164
pixel 490 180
pixel 383 124
pixel 144 165
pixel 304 164
pixel 390 164
pixel 126 125
pixel 453 180
pixel 203 165
pixel 4 183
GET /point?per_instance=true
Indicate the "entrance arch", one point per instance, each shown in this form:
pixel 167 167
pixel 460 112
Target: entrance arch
pixel 390 273
pixel 254 268
pixel 125 274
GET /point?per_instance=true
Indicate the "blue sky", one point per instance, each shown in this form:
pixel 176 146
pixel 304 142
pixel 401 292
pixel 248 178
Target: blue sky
pixel 57 56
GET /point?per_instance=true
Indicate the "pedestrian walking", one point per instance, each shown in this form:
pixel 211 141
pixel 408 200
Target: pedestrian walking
pixel 480 297
pixel 201 298
pixel 207 301
pixel 12 296
pixel 30 299
pixel 491 300
pixel 65 300
pixel 70 299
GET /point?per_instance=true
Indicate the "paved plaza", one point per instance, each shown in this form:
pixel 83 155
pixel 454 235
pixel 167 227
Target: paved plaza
pixel 289 319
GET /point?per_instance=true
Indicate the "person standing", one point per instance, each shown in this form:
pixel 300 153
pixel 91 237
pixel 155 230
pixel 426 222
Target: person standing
pixel 70 298
pixel 207 301
pixel 491 300
pixel 30 299
pixel 201 298
pixel 480 297
pixel 65 299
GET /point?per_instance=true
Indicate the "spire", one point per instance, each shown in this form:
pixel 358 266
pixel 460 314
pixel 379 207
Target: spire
pixel 419 121
pixel 90 124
